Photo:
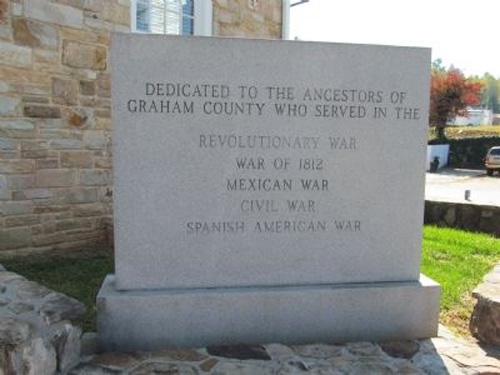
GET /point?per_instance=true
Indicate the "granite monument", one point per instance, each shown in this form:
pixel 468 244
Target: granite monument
pixel 266 192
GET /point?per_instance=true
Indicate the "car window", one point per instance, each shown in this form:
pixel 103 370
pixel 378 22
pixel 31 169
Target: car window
pixel 495 151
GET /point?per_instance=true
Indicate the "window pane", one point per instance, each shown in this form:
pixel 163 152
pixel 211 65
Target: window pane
pixel 187 26
pixel 157 17
pixel 187 17
pixel 142 15
pixel 165 16
pixel 188 8
pixel 173 17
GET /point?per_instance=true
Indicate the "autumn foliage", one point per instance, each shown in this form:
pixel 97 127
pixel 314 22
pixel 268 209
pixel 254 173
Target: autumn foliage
pixel 451 94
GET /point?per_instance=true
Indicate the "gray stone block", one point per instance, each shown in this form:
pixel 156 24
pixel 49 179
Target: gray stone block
pixel 147 320
pixel 297 186
pixel 254 196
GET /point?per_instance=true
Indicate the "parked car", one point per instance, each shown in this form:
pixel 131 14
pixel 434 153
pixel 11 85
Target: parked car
pixel 492 160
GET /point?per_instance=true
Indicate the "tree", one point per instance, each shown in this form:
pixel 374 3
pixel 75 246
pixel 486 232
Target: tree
pixel 451 93
pixel 490 94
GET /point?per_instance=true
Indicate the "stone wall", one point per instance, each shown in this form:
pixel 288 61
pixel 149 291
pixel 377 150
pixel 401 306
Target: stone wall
pixel 485 319
pixel 39 332
pixel 55 130
pixel 248 18
pixel 471 217
pixel 55 116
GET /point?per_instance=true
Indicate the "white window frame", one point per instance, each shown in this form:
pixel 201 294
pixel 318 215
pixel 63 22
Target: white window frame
pixel 203 11
pixel 285 20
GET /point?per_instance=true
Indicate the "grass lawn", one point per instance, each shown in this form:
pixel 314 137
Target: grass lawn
pixel 456 259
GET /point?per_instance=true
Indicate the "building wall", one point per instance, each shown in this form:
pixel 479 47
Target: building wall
pixel 475 117
pixel 248 18
pixel 55 116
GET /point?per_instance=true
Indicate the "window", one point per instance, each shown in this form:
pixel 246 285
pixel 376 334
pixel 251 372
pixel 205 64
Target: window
pixel 180 17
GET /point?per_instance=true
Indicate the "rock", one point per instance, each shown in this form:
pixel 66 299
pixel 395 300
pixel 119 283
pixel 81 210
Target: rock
pixel 21 307
pixel 18 129
pixel 322 370
pixel 42 111
pixel 84 56
pixel 209 364
pixel 7 364
pixel 485 322
pixel 8 106
pixel 406 368
pixel 66 144
pixel 431 364
pixel 13 331
pixel 400 349
pixel 34 34
pixel 90 369
pixel 37 194
pixel 279 350
pixel 78 117
pixel 48 11
pixel 450 216
pixel 95 177
pixel 67 345
pixel 87 88
pixel 494 276
pixel 179 355
pixel 61 307
pixel 231 368
pixel 79 195
pixel 118 360
pixel 23 220
pixel 318 351
pixel 26 290
pixel 364 349
pixel 6 276
pixel 485 319
pixel 167 369
pixel 7 144
pixel 13 55
pixel 89 344
pixel 16 166
pixel 342 362
pixel 38 359
pixel 4 11
pixel 64 91
pixel 239 352
pixel 56 177
pixel 296 364
pixel 371 368
pixel 76 159
pixel 95 140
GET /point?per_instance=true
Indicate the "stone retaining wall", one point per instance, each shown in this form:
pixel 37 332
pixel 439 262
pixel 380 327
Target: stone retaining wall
pixel 55 113
pixel 471 217
pixel 485 319
pixel 37 331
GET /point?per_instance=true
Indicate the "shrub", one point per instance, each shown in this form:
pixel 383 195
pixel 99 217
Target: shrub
pixel 469 152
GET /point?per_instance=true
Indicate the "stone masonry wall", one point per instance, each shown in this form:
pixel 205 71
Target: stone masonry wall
pixel 39 332
pixel 55 116
pixel 471 217
pixel 248 18
pixel 55 121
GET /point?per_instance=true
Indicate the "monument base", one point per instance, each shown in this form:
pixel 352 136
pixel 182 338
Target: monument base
pixel 148 320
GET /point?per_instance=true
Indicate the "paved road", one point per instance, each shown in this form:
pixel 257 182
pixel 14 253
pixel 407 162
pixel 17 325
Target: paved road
pixel 450 184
